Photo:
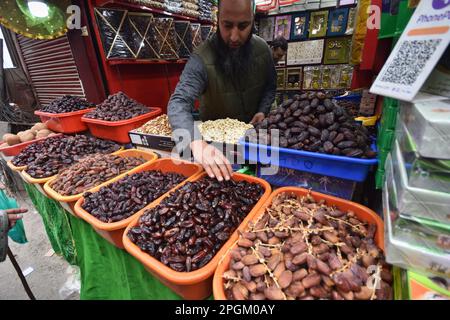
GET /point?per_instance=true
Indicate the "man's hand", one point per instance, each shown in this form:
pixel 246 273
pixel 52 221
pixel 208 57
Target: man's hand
pixel 212 160
pixel 258 117
pixel 14 215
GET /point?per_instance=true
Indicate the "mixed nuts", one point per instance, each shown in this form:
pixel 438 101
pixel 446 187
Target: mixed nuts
pixel 303 249
pixel 188 227
pixel 91 171
pixel 159 126
pixel 224 130
pixel 130 194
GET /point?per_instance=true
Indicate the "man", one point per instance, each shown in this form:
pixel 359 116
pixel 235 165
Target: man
pixel 279 48
pixel 232 74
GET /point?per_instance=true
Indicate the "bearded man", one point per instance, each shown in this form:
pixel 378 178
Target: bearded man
pixel 232 74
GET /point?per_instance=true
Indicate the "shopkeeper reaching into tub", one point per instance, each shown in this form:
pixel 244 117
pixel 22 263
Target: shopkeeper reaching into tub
pixel 233 76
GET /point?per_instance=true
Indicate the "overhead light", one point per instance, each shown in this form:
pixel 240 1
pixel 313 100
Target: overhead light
pixel 38 8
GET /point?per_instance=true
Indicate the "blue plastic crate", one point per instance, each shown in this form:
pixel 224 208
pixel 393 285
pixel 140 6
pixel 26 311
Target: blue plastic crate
pixel 353 169
pixel 341 188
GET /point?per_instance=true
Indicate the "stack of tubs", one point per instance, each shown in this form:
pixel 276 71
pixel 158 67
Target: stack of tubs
pixel 416 195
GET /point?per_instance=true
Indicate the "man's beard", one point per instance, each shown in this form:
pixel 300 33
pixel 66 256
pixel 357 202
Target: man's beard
pixel 232 62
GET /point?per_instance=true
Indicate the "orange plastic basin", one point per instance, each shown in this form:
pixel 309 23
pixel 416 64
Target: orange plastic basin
pixel 68 122
pixel 12 151
pixel 40 182
pixel 113 232
pixel 37 181
pixel 363 213
pixel 197 284
pixel 147 155
pixel 118 130
pixel 14 168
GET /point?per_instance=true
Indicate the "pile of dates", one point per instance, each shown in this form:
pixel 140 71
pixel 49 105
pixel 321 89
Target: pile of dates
pixel 118 107
pixel 31 152
pixel 92 171
pixel 303 249
pixel 188 227
pixel 313 122
pixel 127 196
pixel 67 104
pixel 47 157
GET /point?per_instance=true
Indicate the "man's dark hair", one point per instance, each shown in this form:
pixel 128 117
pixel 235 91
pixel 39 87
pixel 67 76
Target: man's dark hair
pixel 280 42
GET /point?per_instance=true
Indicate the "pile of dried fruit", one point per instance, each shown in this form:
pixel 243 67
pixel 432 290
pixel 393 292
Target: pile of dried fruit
pixel 312 122
pixel 188 227
pixel 67 103
pixel 118 107
pixel 47 157
pixel 303 249
pixel 159 126
pixel 224 130
pixel 127 196
pixel 91 171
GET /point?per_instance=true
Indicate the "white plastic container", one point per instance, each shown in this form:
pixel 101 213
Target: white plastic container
pixel 417 202
pixel 410 250
pixel 424 173
pixel 429 124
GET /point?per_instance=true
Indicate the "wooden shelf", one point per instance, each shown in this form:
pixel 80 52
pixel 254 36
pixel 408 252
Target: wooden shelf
pixel 114 62
pixel 134 6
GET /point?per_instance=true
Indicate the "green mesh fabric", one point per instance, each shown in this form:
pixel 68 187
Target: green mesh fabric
pixel 106 271
pixel 56 224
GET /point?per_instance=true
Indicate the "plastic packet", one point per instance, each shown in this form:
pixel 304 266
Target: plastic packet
pixel 71 288
pixel 351 21
pixel 307 77
pixel 359 34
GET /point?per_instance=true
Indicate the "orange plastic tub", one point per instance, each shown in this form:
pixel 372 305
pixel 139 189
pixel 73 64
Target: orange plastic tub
pixel 363 213
pixel 14 168
pixel 12 151
pixel 113 232
pixel 118 130
pixel 68 122
pixel 40 182
pixel 197 284
pixel 68 202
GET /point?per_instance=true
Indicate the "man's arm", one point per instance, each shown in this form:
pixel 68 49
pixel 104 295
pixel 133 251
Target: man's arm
pixel 270 90
pixel 192 84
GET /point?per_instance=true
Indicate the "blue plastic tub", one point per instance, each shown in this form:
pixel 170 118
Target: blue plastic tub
pixel 341 188
pixel 351 97
pixel 353 169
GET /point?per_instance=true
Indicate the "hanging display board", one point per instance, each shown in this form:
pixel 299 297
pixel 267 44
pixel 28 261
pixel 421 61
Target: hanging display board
pixel 305 52
pixel 416 53
pixel 318 24
pixel 283 26
pixel 299 28
pixel 337 24
pixel 266 28
pixel 294 79
pixel 337 50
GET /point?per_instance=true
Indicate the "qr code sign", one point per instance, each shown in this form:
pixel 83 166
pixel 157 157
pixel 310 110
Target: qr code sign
pixel 410 61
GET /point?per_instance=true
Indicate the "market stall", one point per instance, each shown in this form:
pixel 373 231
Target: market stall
pixel 300 218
